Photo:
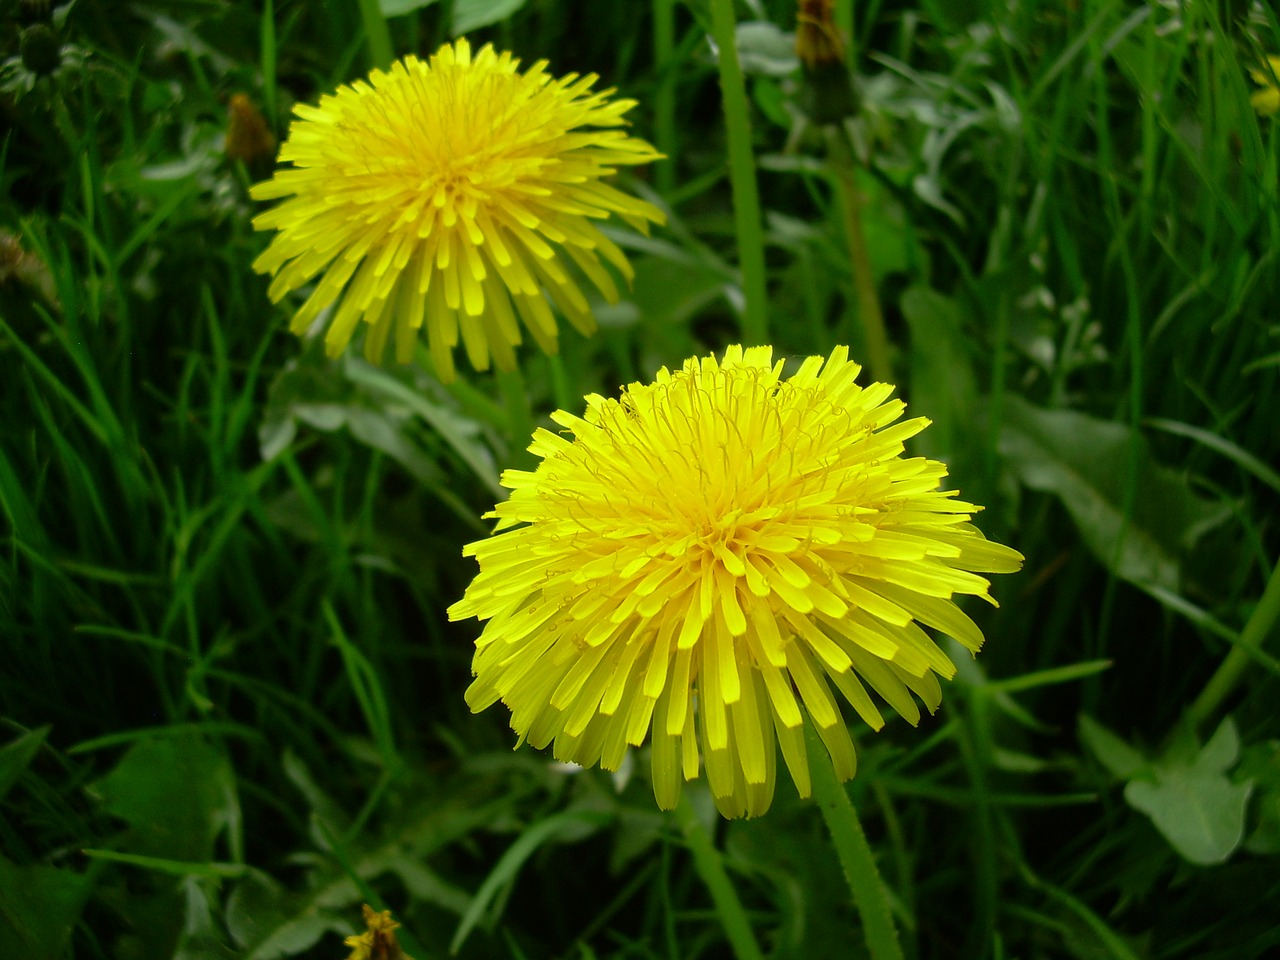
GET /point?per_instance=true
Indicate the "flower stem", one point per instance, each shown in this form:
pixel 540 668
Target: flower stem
pixel 664 97
pixel 515 400
pixel 844 23
pixel 707 861
pixel 376 34
pixel 567 396
pixel 869 893
pixel 844 165
pixel 1228 674
pixel 742 176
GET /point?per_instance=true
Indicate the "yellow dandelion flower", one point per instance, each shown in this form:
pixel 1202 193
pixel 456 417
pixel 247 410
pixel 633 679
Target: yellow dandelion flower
pixel 378 942
pixel 709 554
pixel 455 193
pixel 1267 100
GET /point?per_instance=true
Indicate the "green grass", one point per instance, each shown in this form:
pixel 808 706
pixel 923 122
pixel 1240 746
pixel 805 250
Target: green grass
pixel 231 703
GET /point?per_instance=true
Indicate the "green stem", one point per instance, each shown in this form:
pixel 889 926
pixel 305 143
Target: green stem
pixel 376 34
pixel 567 398
pixel 844 165
pixel 844 23
pixel 515 400
pixel 267 42
pixel 664 98
pixel 742 176
pixel 707 861
pixel 1228 674
pixel 869 893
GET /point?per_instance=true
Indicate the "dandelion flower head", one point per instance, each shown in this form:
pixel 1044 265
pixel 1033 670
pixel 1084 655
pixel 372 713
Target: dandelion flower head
pixel 454 194
pixel 378 942
pixel 708 558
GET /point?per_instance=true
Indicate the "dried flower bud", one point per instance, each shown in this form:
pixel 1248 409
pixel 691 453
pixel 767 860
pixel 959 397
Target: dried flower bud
pixel 248 137
pixel 818 39
pixel 829 96
pixel 19 265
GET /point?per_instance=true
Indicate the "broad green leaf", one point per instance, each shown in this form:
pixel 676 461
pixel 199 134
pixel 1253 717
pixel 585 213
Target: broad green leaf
pixel 1202 816
pixel 39 906
pixel 15 757
pixel 470 15
pixel 1194 804
pixel 176 793
pixel 1085 461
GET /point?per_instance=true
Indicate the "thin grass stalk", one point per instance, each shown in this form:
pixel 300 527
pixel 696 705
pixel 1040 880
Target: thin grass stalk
pixel 856 860
pixel 664 97
pixel 1229 673
pixel 844 23
pixel 377 36
pixel 742 177
pixel 267 44
pixel 710 867
pixel 844 166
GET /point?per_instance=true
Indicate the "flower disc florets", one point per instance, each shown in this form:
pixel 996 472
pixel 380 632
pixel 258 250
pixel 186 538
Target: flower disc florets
pixel 455 194
pixel 709 553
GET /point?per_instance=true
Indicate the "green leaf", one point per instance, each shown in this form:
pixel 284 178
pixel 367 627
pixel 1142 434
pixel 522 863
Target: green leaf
pixel 323 807
pixel 269 921
pixel 942 380
pixel 398 8
pixel 454 429
pixel 39 905
pixel 202 937
pixel 1084 461
pixel 765 50
pixel 1113 753
pixel 508 866
pixel 181 868
pixel 1260 762
pixel 15 757
pixel 1194 804
pixel 771 101
pixel 470 15
pixel 176 793
pixel 1265 837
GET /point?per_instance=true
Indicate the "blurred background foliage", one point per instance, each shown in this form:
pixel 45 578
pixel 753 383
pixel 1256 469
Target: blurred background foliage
pixel 231 703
